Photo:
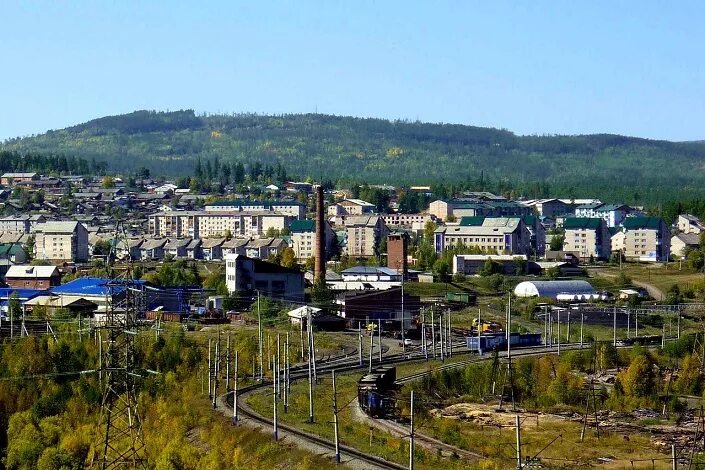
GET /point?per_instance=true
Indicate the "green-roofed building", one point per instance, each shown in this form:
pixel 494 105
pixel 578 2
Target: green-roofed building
pixel 290 208
pixel 587 236
pixel 646 239
pixel 303 239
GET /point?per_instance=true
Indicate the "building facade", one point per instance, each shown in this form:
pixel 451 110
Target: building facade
pixel 646 239
pixel 291 208
pixel 213 224
pixel 500 235
pixel 587 236
pixel 243 274
pixel 364 234
pixel 61 242
pixel 303 239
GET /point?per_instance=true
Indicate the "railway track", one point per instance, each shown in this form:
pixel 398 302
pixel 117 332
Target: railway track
pixel 342 364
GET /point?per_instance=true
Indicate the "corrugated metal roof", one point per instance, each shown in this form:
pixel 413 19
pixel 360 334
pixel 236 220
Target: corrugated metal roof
pixel 93 286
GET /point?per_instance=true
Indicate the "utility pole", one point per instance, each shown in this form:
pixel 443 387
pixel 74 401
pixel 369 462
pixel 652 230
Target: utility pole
pixel 215 372
pixel 277 369
pixel 636 323
pixel 403 343
pixel 614 327
pixel 372 346
pixel 359 343
pixel 335 421
pixel 433 332
pixel 567 335
pixel 450 335
pixel 275 381
pixel 261 339
pixel 235 417
pixel 479 331
pixel 310 378
pixel 301 336
pixel 227 365
pixel 209 369
pixel 286 374
pixel 558 336
pixel 411 434
pixel 581 329
pixel 440 332
pixel 379 338
pixel 674 460
pixel 518 424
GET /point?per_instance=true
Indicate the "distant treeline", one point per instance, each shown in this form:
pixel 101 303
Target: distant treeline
pixel 377 151
pixel 11 161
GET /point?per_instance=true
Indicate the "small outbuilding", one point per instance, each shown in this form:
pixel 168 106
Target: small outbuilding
pixel 552 289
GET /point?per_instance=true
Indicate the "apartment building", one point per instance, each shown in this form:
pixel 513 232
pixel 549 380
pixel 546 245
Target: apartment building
pixel 646 239
pixel 408 221
pixel 61 242
pixel 689 224
pixel 303 238
pixel 471 207
pixel 351 207
pixel 213 224
pixel 364 234
pixel 587 236
pixel 291 208
pixel 501 235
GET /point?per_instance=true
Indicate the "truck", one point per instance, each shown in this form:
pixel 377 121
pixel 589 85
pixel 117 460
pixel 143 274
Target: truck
pixel 486 326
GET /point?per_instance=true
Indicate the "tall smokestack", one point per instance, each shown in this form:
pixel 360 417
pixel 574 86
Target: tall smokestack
pixel 319 268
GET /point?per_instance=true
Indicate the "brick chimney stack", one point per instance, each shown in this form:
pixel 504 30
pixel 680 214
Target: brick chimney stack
pixel 319 268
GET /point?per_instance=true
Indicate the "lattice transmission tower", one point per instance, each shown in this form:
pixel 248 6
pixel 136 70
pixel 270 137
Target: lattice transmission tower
pixel 123 443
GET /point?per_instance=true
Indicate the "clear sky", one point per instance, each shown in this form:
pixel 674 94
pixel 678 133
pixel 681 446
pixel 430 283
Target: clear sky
pixel 533 67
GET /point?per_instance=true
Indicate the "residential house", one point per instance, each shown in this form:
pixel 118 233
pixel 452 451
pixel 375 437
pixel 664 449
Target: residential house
pixel 212 248
pixel 243 274
pixel 501 235
pixel 646 239
pixel 587 236
pixel 235 246
pixel 682 242
pixel 176 247
pixel 153 249
pixel 303 238
pixel 65 241
pixel 9 179
pixel 33 277
pixel 364 234
pixel 13 252
pixel 264 248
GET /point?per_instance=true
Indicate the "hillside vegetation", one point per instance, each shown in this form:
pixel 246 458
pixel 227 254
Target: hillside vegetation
pixel 380 151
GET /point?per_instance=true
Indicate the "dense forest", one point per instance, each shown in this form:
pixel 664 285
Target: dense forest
pixel 348 149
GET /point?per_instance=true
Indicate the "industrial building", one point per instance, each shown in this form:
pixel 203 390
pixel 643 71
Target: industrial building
pixel 552 289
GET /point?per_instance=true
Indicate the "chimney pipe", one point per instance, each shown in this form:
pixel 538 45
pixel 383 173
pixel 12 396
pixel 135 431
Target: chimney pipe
pixel 319 270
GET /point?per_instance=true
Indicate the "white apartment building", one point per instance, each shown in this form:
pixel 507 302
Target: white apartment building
pixel 204 224
pixel 290 208
pixel 364 235
pixel 303 238
pixel 589 237
pixel 61 242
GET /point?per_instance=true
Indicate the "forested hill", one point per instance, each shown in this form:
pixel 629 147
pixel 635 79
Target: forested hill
pixel 381 151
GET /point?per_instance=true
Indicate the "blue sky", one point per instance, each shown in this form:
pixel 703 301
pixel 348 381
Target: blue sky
pixel 533 67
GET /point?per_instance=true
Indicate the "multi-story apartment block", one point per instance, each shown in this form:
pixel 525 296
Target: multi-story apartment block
pixel 303 238
pixel 613 214
pixel 646 239
pixel 408 221
pixel 690 224
pixel 469 207
pixel 61 242
pixel 364 234
pixel 501 235
pixel 205 224
pixel 291 208
pixel 351 207
pixel 8 179
pixel 590 237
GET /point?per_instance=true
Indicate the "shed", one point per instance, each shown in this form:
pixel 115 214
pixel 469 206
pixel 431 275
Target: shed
pixel 552 288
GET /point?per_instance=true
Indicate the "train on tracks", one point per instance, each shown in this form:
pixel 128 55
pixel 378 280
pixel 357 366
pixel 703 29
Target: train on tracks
pixel 375 392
